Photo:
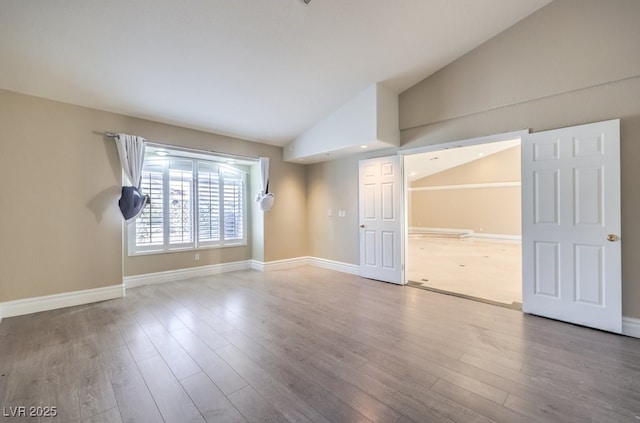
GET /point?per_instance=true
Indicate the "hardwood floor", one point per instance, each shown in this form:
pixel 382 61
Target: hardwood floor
pixel 311 345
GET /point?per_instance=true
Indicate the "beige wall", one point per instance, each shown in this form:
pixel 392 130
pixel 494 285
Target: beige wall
pixel 566 46
pixel 494 210
pixel 332 186
pixel 572 62
pixel 285 225
pixel 59 230
pixel 60 226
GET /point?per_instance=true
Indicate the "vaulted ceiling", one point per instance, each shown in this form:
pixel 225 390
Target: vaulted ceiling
pixel 263 70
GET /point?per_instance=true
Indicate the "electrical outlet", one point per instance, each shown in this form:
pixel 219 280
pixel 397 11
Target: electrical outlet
pixel 197 256
pixel 329 213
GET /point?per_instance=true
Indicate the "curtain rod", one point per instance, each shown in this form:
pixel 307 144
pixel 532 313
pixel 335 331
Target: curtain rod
pixel 195 150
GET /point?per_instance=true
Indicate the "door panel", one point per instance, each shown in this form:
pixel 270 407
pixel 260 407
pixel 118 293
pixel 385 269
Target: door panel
pixel 547 261
pixel 388 209
pixel 369 201
pixel 381 219
pixel 370 249
pixel 388 250
pixel 546 196
pixel 589 274
pixel 570 204
pixel 588 196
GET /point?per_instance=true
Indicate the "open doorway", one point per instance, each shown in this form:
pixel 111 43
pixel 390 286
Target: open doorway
pixel 464 221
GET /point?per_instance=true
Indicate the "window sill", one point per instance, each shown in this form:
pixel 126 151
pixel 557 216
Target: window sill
pixel 186 249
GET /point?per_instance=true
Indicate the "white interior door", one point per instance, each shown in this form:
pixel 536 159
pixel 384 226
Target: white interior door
pixel 381 219
pixel 571 225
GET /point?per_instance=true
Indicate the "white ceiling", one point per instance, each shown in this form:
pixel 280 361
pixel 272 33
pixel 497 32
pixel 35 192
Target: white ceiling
pixel 264 70
pixel 418 166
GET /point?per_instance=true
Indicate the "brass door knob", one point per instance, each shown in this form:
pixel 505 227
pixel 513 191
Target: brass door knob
pixel 362 226
pixel 612 237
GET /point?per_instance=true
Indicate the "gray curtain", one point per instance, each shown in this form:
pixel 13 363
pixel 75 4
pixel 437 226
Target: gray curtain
pixel 131 151
pixel 265 198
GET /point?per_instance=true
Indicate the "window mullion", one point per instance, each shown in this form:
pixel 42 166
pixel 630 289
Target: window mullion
pixel 165 206
pixel 221 205
pixel 196 202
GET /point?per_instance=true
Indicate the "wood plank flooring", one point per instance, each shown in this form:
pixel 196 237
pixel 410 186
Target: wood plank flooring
pixel 311 345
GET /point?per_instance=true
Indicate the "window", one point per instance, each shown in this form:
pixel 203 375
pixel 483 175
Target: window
pixel 195 203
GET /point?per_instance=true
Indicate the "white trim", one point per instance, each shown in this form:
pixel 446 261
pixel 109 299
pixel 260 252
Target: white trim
pixel 464 143
pixel 464 233
pixel 257 265
pixel 271 266
pixel 448 231
pixel 215 269
pixel 466 186
pixel 179 274
pixel 631 326
pixel 497 236
pixel 55 301
pixel 338 266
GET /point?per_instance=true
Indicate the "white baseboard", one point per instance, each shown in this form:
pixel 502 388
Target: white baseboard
pixel 67 299
pixel 305 261
pixel 631 326
pixel 271 266
pixel 447 231
pixel 338 266
pixel 463 233
pixel 496 236
pixel 214 269
pixel 191 272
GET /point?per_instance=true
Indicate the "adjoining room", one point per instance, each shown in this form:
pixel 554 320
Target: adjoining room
pixel 464 222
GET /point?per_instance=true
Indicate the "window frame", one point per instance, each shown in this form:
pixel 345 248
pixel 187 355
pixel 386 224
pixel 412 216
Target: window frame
pixel 221 165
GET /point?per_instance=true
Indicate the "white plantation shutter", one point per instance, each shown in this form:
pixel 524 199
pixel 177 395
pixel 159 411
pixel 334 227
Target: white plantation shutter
pixel 208 204
pixel 194 204
pixel 181 202
pixel 233 205
pixel 150 224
